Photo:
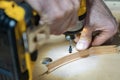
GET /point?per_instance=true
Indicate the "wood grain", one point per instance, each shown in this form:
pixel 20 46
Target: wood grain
pixel 78 55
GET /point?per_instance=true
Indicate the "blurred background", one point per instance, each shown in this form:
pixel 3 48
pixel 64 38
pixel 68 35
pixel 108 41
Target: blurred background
pixel 114 6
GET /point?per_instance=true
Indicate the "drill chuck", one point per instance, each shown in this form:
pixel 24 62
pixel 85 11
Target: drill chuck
pixel 5 21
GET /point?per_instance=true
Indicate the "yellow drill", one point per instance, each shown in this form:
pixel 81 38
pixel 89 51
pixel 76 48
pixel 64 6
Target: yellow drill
pixel 15 58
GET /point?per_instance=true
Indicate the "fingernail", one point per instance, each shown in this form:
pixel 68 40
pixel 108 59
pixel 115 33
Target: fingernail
pixel 82 45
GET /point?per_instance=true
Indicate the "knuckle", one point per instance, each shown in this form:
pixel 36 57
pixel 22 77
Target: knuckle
pixel 113 29
pixel 59 15
pixel 70 9
pixel 76 4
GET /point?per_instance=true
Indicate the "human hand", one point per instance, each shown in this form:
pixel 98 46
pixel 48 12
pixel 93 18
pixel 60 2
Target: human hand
pixel 99 18
pixel 60 14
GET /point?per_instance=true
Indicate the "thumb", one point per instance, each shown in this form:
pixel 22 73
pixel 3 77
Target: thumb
pixel 85 39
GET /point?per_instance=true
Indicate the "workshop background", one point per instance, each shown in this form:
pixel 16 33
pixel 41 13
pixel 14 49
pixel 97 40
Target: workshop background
pixel 102 67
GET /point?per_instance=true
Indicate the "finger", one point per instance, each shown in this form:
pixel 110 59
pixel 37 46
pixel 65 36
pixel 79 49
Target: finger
pixel 85 39
pixel 75 15
pixel 47 11
pixel 77 37
pixel 60 25
pixel 101 38
pixel 68 22
pixel 66 5
pixel 72 25
pixel 53 17
pixel 76 4
pixel 74 20
pixel 65 21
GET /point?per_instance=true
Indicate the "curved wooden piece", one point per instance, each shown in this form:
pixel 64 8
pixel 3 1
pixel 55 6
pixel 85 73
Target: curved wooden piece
pixel 78 55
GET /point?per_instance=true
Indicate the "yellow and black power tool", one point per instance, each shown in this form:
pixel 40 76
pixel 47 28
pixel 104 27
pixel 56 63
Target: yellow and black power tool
pixel 15 57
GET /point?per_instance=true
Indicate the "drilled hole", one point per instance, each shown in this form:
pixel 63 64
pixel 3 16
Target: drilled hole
pixel 46 60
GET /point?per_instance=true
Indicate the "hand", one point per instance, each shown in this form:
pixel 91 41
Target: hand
pixel 99 18
pixel 60 14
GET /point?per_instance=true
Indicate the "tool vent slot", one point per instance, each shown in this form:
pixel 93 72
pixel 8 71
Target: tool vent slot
pixel 5 74
pixel 6 71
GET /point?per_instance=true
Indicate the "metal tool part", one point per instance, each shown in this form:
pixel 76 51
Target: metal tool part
pixel 70 38
pixel 46 60
pixel 70 34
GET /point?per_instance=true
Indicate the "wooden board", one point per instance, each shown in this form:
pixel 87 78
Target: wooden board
pixel 94 67
pixel 99 50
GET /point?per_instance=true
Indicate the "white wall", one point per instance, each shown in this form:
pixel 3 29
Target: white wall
pixel 114 6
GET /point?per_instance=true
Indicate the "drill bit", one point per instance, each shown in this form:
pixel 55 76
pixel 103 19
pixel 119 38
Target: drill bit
pixel 68 37
pixel 70 46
